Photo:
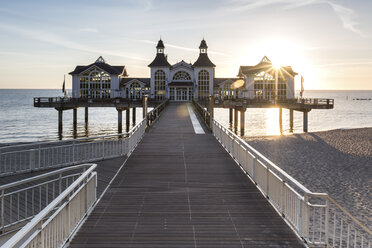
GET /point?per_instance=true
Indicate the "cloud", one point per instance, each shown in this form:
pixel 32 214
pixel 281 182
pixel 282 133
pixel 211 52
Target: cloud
pixel 181 47
pixel 346 15
pixel 89 30
pixel 60 41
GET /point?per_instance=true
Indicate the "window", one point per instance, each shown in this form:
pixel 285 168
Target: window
pixel 203 84
pixel 182 75
pixel 264 87
pixel 135 90
pixel 159 83
pixel 95 84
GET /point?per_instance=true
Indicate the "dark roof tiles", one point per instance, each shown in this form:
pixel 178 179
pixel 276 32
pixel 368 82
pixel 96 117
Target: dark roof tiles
pixel 113 70
pixel 204 61
pixel 160 60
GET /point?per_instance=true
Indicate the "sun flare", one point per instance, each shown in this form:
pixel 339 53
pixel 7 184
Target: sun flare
pixel 283 52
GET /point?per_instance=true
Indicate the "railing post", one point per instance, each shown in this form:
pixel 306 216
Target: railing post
pixel 2 212
pixel 254 169
pixel 307 217
pixel 103 147
pixel 282 201
pixel 73 152
pixel 327 222
pixel 211 111
pixel 41 234
pixel 60 184
pixel 39 157
pixel 299 215
pixel 144 108
pixel 267 181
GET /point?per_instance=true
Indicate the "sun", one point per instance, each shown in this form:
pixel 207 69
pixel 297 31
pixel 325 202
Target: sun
pixel 276 65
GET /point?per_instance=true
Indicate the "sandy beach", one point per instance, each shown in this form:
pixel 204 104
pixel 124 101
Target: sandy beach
pixel 337 162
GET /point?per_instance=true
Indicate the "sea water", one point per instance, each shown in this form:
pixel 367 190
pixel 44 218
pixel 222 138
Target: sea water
pixel 21 122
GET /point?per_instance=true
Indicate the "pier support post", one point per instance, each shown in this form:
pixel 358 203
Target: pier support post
pixel 74 117
pixel 74 122
pixel 305 121
pixel 281 120
pixel 291 120
pixel 235 120
pixel 134 116
pixel 127 119
pixel 86 116
pixel 120 120
pixel 230 116
pixel 242 122
pixel 60 122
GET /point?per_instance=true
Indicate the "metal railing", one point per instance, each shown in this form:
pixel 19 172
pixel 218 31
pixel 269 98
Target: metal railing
pixel 223 95
pixel 317 218
pixel 154 114
pixel 55 224
pixel 46 155
pixel 23 199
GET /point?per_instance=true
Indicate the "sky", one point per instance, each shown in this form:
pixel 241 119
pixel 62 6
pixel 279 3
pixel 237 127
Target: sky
pixel 329 42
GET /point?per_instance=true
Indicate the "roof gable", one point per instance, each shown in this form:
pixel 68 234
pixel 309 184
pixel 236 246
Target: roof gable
pixel 182 64
pixel 112 70
pixel 264 65
pixel 126 81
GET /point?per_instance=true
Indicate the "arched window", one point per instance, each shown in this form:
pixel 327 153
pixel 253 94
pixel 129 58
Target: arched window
pixel 203 84
pixel 159 84
pixel 182 75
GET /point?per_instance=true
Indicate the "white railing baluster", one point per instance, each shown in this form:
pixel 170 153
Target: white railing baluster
pixel 61 216
pixel 313 222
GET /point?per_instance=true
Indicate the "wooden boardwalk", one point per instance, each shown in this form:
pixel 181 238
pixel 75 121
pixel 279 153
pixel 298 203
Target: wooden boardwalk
pixel 181 189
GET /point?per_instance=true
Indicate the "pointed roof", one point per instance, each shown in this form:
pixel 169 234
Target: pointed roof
pixel 100 63
pixel 203 61
pixel 160 60
pixel 264 65
pixel 203 44
pixel 160 44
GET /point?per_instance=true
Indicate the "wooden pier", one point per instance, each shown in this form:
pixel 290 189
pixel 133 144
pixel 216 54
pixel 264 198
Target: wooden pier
pixel 235 105
pixel 240 105
pixel 182 189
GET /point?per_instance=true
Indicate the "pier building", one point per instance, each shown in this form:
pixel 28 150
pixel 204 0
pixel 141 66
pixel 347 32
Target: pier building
pixel 181 81
pixel 100 84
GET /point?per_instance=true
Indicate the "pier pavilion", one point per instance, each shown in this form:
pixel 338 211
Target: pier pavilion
pixel 100 84
pixel 182 81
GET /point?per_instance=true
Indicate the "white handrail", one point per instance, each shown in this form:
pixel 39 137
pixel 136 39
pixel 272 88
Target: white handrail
pixel 33 193
pixel 318 224
pixel 58 154
pixel 36 226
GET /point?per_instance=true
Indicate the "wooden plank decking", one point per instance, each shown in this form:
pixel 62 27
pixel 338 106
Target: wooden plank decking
pixel 181 189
